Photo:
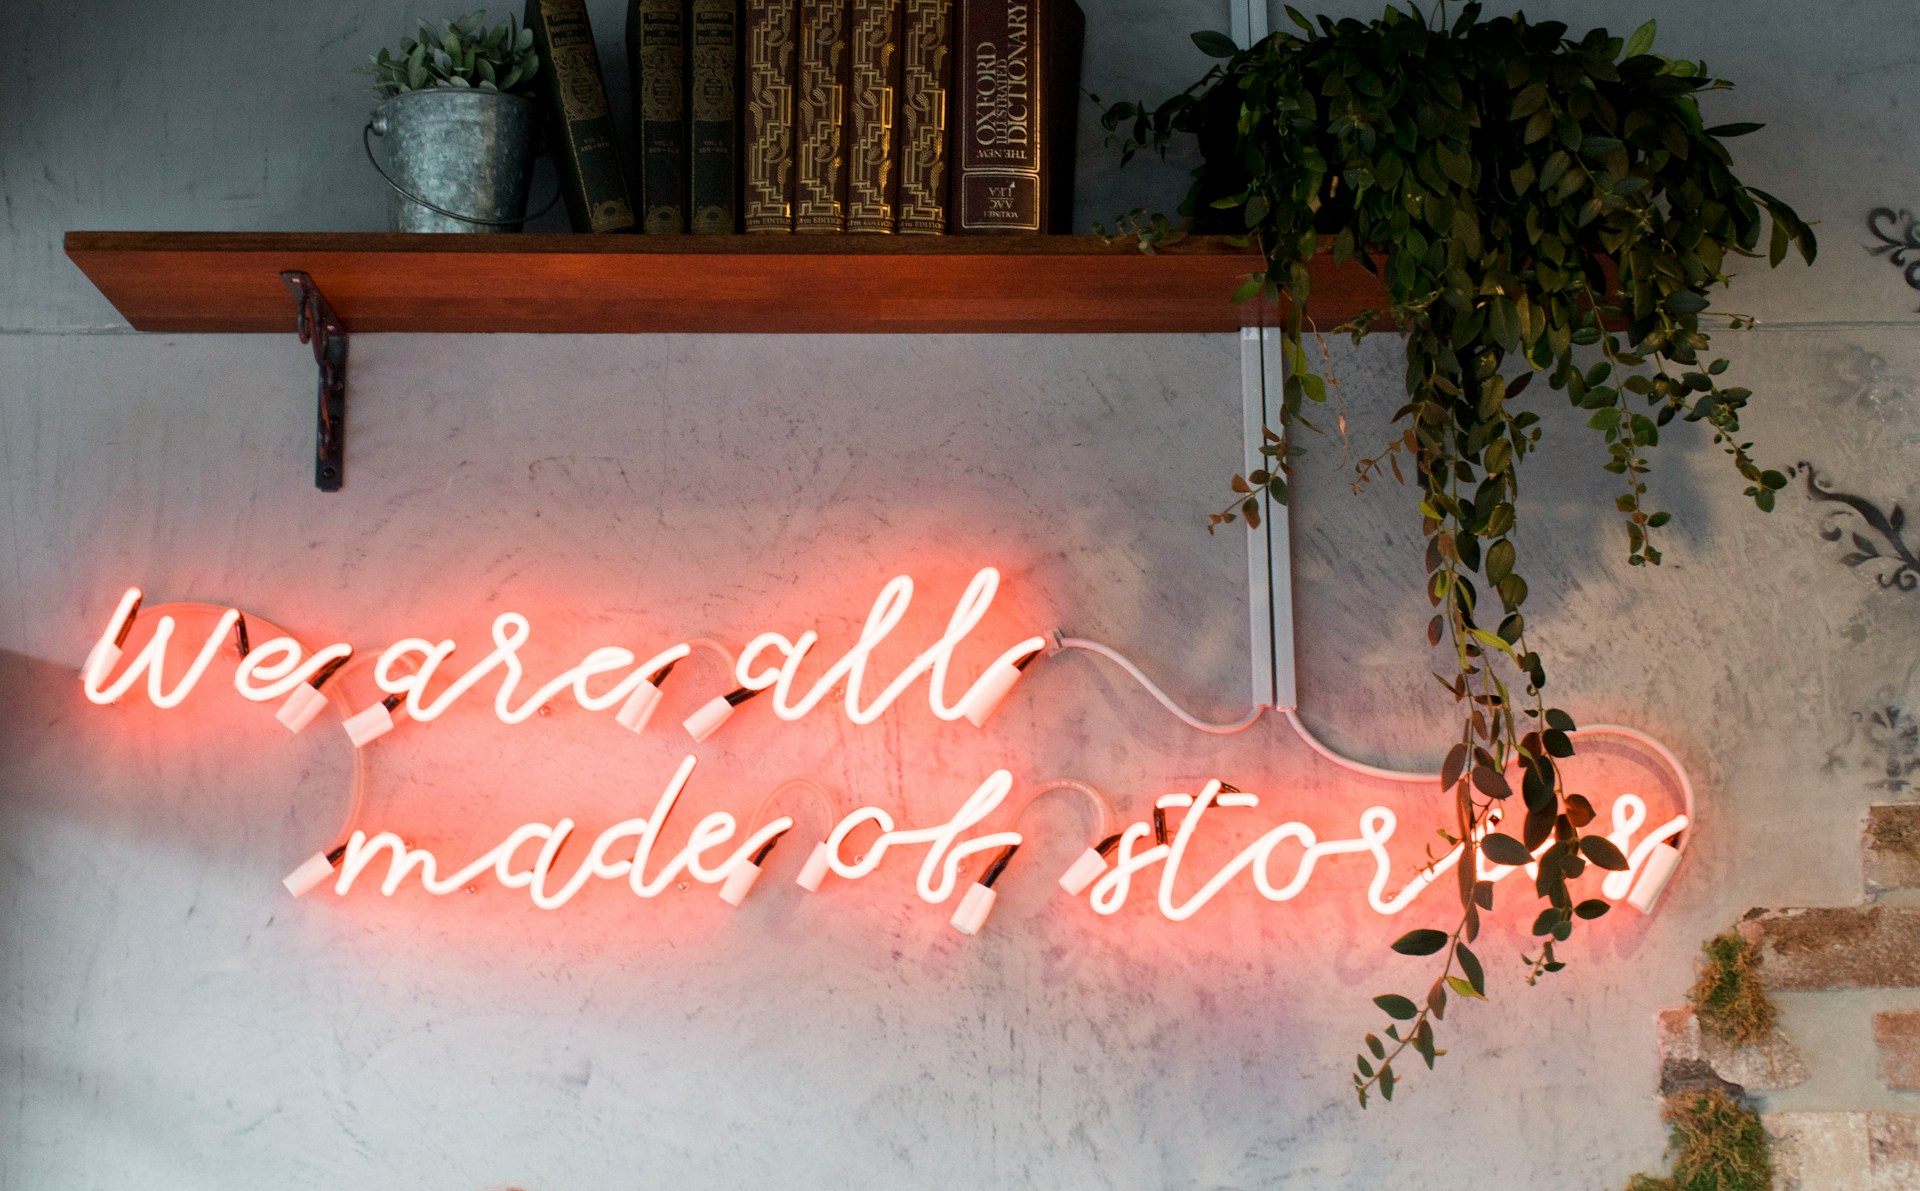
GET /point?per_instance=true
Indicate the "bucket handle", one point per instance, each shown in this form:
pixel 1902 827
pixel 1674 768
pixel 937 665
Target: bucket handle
pixel 366 142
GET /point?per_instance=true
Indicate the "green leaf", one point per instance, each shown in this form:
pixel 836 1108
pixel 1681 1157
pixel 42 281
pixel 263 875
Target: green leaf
pixel 1215 45
pixel 1724 131
pixel 1420 942
pixel 1641 41
pixel 1470 967
pixel 1500 560
pixel 1592 908
pixel 1397 1007
pixel 1491 782
pixel 1530 100
pixel 1685 302
pixel 1602 852
pixel 1504 849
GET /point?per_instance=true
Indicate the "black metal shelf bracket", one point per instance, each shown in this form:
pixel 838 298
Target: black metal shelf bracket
pixel 321 327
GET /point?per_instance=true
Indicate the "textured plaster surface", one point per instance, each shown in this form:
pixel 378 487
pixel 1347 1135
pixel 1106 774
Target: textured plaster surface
pixel 169 1019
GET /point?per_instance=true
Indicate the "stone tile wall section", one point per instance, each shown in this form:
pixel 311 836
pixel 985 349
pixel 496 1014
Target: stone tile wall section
pixel 1890 848
pixel 1875 945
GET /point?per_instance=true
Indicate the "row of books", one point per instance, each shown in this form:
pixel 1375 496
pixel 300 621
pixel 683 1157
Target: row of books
pixel 811 116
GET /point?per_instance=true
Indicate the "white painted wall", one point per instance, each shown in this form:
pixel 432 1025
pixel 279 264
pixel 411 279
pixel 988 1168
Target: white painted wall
pixel 168 1018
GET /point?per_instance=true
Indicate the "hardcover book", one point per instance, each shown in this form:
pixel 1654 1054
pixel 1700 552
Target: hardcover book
pixel 820 174
pixel 926 42
pixel 593 180
pixel 768 111
pixel 713 111
pixel 1017 79
pixel 656 66
pixel 873 73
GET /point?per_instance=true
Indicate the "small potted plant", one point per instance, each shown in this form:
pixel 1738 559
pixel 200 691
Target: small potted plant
pixel 457 120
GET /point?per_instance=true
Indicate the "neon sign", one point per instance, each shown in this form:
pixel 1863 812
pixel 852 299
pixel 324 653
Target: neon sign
pixel 717 850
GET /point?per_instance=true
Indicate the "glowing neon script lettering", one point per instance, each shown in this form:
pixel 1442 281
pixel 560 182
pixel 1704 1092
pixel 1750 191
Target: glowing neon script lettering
pixel 946 851
pixel 1109 893
pixel 975 705
pixel 710 833
pixel 275 667
pixel 407 668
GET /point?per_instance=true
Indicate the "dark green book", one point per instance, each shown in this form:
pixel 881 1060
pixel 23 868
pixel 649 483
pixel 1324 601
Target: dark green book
pixel 713 111
pixel 656 67
pixel 579 126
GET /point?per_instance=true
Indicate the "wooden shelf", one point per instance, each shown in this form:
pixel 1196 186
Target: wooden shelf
pixel 218 281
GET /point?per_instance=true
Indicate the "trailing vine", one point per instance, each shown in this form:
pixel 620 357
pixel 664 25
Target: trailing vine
pixel 1533 204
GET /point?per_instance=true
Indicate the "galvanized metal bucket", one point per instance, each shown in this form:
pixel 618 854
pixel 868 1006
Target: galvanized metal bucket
pixel 458 160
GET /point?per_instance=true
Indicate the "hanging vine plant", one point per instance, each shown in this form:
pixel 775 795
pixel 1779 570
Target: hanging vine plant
pixel 1533 204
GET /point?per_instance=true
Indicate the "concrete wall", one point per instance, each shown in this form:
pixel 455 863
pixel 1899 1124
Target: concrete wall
pixel 169 1018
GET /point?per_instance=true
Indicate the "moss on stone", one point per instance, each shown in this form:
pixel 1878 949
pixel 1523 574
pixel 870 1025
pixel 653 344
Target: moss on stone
pixel 1728 998
pixel 1718 1144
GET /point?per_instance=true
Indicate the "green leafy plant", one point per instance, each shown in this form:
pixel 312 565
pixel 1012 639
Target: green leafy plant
pixel 1716 1143
pixel 459 53
pixel 1533 204
pixel 1728 999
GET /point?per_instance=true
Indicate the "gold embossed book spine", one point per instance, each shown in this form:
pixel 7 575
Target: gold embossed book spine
pixel 656 66
pixel 873 176
pixel 926 44
pixel 820 166
pixel 769 41
pixel 713 35
pixel 1016 79
pixel 593 180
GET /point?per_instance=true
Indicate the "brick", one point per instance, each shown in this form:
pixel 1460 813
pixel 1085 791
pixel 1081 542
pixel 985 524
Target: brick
pixel 1890 848
pixel 1893 1150
pixel 1843 947
pixel 1898 1036
pixel 1844 1151
pixel 1691 1058
pixel 1819 1151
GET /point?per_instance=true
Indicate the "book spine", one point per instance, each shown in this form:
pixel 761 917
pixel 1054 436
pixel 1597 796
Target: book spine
pixel 1066 41
pixel 656 66
pixel 820 175
pixel 580 128
pixel 926 43
pixel 713 110
pixel 767 184
pixel 873 72
pixel 1010 107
